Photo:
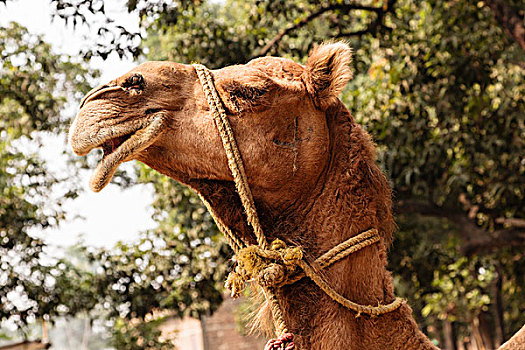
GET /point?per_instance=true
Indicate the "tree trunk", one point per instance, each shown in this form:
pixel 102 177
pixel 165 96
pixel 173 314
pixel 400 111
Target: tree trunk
pixel 485 330
pixel 498 309
pixel 448 335
pixel 510 19
pixel 477 340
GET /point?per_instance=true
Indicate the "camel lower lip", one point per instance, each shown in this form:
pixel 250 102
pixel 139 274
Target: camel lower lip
pixel 109 163
pixel 126 151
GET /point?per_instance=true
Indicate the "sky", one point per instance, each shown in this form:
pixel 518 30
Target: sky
pixel 113 214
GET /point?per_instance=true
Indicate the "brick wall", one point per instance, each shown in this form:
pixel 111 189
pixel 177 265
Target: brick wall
pixel 218 332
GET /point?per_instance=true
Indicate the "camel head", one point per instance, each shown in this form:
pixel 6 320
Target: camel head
pixel 157 113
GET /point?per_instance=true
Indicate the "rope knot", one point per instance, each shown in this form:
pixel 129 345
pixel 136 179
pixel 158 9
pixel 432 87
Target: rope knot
pixel 292 256
pixel 272 275
pixel 251 260
pixel 269 267
pixel 278 245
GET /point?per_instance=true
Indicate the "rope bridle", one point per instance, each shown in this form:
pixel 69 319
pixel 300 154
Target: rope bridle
pixel 275 265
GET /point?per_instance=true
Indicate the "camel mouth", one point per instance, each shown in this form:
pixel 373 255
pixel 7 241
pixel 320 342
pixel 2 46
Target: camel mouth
pixel 111 145
pixel 121 149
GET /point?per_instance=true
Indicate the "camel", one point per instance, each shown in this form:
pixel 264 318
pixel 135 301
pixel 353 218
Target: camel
pixel 311 169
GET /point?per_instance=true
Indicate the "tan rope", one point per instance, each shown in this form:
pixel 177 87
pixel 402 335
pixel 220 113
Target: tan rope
pixel 239 175
pixel 339 252
pixel 348 247
pixel 276 265
pixel 232 152
pixel 360 309
pixel 270 268
pixel 278 321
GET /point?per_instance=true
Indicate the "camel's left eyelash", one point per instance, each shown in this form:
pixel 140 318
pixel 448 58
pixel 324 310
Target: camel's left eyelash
pixel 245 92
pixel 249 93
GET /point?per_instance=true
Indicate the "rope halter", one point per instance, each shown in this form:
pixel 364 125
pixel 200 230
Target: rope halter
pixel 275 265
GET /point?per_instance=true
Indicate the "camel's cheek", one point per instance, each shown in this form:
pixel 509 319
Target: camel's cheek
pixel 284 151
pixel 191 148
pixel 314 151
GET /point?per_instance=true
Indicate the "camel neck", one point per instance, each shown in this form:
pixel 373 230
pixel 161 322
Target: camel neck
pixel 361 277
pixel 351 196
pixel 354 197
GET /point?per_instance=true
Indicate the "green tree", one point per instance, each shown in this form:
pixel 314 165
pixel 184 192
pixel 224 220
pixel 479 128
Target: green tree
pixel 439 84
pixel 175 270
pixel 34 87
pixel 443 96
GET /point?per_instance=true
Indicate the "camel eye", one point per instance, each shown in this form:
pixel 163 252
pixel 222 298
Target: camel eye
pixel 135 81
pixel 245 96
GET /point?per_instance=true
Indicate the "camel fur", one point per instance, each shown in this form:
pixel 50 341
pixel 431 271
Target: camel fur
pixel 311 168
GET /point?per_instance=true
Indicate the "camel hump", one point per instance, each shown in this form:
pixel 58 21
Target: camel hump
pixel 327 72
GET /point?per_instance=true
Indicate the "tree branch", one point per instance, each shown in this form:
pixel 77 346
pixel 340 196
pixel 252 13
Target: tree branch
pixel 510 19
pixel 344 7
pixel 493 241
pixel 511 222
pixel 475 239
pixel 373 26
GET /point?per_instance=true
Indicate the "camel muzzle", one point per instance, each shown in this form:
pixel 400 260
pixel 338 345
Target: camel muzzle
pixel 121 141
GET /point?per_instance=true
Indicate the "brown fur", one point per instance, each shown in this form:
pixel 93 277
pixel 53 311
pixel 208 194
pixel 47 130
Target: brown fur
pixel 311 168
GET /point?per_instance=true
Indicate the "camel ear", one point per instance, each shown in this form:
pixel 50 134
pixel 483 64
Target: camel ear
pixel 327 72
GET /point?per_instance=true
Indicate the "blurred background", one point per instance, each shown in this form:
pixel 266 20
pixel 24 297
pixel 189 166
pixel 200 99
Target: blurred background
pixel 440 86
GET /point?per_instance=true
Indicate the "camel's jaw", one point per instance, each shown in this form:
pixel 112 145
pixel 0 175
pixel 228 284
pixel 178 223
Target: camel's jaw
pixel 120 142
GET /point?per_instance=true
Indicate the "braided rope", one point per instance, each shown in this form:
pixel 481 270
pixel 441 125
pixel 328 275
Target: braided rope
pixel 232 152
pixel 339 252
pixel 360 309
pixel 271 268
pixel 278 321
pixel 239 176
pixel 275 253
pixel 348 247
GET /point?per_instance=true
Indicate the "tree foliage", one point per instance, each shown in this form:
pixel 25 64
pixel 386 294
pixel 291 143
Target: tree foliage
pixel 175 270
pixel 438 84
pixel 179 266
pixel 35 84
pixel 443 96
